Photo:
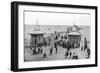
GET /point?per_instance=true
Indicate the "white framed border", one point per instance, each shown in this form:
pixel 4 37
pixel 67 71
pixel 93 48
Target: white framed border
pixel 22 64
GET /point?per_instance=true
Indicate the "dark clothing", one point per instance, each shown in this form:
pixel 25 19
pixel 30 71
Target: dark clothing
pixel 85 44
pixel 56 49
pixel 56 37
pixel 75 57
pixel 41 51
pixel 88 52
pixel 68 46
pixel 66 54
pixel 38 50
pixel 55 45
pixel 70 54
pixel 51 50
pixel 44 55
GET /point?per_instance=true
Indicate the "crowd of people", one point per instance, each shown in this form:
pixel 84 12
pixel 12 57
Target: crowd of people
pixel 52 43
pixel 73 55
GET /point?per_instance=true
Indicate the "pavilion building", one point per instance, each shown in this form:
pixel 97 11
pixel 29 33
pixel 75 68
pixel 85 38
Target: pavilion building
pixel 74 36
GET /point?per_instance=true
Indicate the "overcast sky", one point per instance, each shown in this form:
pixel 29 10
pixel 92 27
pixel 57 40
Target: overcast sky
pixel 45 18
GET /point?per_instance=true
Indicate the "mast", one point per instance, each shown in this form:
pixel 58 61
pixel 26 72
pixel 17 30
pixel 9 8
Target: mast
pixel 37 27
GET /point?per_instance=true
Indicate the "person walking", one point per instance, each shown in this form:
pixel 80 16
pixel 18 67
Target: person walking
pixel 66 54
pixel 68 45
pixel 55 45
pixel 85 44
pixel 70 54
pixel 51 50
pixel 88 52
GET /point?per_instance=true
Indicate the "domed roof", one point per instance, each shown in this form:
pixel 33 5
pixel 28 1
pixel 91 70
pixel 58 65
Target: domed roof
pixel 74 30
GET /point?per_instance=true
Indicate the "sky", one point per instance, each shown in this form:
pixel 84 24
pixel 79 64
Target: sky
pixel 52 18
